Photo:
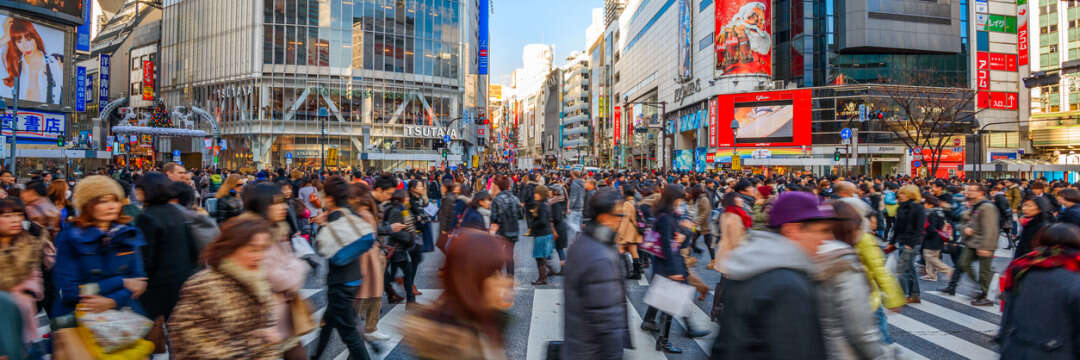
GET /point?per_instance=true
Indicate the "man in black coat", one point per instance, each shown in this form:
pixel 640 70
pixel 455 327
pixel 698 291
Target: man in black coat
pixel 769 304
pixel 595 317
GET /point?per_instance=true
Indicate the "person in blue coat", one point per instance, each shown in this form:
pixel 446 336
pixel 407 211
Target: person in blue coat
pixel 99 264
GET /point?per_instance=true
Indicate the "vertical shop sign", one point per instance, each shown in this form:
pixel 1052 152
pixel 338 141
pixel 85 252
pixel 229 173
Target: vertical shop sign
pixel 686 46
pixel 983 79
pixel 1022 31
pixel 80 85
pixel 148 80
pixel 714 122
pixel 482 37
pixel 630 124
pixel 103 78
pixel 618 114
pixel 82 32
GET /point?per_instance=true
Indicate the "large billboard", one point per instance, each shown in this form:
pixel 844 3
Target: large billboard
pixel 66 10
pixel 34 54
pixel 482 37
pixel 686 40
pixel 773 118
pixel 743 39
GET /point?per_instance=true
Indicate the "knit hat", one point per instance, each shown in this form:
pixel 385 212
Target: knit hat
pixel 93 187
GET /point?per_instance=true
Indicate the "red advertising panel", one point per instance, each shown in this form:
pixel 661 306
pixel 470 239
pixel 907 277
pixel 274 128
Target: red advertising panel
pixel 982 60
pixel 772 118
pixel 714 124
pixel 983 79
pixel 710 157
pixel 1003 100
pixel 618 114
pixel 982 99
pixel 630 124
pixel 1022 32
pixel 148 80
pixel 1010 62
pixel 997 61
pixel 743 39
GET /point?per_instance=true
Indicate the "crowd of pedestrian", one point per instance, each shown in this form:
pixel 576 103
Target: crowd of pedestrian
pixel 213 261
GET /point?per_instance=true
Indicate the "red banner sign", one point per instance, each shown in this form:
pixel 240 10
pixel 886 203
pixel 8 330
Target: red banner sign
pixel 983 78
pixel 630 124
pixel 714 123
pixel 148 80
pixel 1022 32
pixel 1003 100
pixel 1010 62
pixel 618 115
pixel 982 60
pixel 982 99
pixel 997 61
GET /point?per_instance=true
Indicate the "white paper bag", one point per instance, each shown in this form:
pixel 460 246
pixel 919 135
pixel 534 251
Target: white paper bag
pixel 891 261
pixel 301 247
pixel 431 209
pixel 671 297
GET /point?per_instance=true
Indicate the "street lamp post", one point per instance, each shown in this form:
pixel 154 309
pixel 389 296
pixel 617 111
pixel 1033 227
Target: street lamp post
pixel 734 136
pixel 15 124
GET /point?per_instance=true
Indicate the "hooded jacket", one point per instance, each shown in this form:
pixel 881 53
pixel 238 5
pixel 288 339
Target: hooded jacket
pixel 595 317
pixel 577 195
pixel 850 330
pixel 770 305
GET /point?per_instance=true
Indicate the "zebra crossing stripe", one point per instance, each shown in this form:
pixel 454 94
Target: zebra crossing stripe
pixel 940 338
pixel 390 324
pixel 642 340
pixel 909 354
pixel 700 319
pixel 966 301
pixel 546 323
pixel 957 318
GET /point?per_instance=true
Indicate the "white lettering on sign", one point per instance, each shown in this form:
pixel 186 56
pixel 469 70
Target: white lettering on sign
pixel 430 132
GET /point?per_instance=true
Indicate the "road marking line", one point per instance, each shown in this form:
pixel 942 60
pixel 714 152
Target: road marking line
pixel 643 341
pixel 546 323
pixel 966 301
pixel 958 318
pixel 390 323
pixel 941 338
pixel 909 354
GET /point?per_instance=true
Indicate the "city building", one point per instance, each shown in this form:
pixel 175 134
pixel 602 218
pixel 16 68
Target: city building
pixel 599 121
pixel 349 84
pixel 575 135
pixel 1055 108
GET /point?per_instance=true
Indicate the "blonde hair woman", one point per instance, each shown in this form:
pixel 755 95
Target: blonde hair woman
pixel 228 200
pixel 909 230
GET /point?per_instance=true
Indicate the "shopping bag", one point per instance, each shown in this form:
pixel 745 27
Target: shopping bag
pixel 113 330
pixel 301 247
pixel 995 290
pixel 300 311
pixel 891 262
pixel 672 297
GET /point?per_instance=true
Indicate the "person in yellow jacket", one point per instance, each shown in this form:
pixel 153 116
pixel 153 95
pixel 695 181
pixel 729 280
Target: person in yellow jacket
pixel 885 289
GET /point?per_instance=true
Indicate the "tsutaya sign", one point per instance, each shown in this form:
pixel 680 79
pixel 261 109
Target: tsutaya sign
pixel 430 132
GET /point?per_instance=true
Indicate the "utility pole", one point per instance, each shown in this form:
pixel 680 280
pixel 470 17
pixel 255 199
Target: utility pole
pixel 14 124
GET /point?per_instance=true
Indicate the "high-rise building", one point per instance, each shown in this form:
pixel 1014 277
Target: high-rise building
pixel 575 131
pixel 375 84
pixel 1055 51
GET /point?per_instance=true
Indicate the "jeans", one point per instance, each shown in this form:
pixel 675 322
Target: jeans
pixel 985 272
pixel 905 271
pixel 407 272
pixel 341 315
pixel 883 323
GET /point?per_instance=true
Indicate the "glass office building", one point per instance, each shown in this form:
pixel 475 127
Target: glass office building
pixel 354 83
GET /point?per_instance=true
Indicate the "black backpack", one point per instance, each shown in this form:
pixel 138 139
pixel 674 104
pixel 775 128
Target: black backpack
pixel 1004 212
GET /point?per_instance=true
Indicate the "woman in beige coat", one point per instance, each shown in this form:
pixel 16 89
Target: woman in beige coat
pixel 372 265
pixel 627 236
pixel 734 223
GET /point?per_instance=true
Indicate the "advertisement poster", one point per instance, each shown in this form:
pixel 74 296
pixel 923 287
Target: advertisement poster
pixel 743 38
pixel 766 119
pixel 1022 30
pixel 699 159
pixel 148 80
pixel 1001 23
pixel 43 48
pixel 686 35
pixel 797 37
pixel 80 84
pixel 684 160
pixel 35 125
pixel 104 63
pixel 482 36
pixel 67 10
pixel 630 125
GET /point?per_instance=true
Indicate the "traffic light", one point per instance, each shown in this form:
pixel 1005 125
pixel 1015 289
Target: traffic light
pixel 444 153
pixel 836 155
pixel 60 141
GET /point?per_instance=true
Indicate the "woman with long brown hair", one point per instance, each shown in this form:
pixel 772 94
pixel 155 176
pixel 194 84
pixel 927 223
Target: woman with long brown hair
pixel 225 310
pixel 469 317
pixel 368 301
pixel 58 194
pixel 40 75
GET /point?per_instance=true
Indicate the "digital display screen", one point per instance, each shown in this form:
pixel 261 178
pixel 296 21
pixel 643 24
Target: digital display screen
pixel 765 122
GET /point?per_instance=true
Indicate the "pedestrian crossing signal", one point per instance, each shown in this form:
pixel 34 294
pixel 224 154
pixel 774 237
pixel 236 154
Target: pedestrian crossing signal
pixel 836 155
pixel 60 141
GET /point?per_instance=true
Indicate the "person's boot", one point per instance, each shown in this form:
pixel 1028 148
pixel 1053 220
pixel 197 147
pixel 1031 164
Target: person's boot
pixel 393 297
pixel 645 262
pixel 665 345
pixel 694 333
pixel 649 325
pixel 541 267
pixel 982 301
pixel 636 273
pixel 416 292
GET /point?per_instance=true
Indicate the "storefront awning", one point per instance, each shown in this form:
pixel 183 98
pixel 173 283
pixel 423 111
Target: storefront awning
pixel 61 154
pixel 1010 165
pixel 408 156
pixel 790 162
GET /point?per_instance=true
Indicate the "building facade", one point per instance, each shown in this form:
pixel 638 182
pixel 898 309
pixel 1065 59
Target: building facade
pixel 1055 50
pixel 348 84
pixel 574 132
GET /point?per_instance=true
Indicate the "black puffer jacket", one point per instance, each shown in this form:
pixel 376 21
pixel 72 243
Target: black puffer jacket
pixel 228 207
pixel 1042 316
pixel 400 241
pixel 910 224
pixel 935 218
pixel 595 321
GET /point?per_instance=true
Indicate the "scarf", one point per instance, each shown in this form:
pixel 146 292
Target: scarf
pixel 1041 258
pixel 746 221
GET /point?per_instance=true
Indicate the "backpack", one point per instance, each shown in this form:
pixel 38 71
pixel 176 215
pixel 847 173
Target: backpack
pixel 203 229
pixel 1004 212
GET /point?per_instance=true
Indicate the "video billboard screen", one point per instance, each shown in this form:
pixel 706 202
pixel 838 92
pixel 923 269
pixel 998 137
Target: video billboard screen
pixel 761 122
pixel 743 39
pixel 34 53
pixel 766 119
pixel 66 10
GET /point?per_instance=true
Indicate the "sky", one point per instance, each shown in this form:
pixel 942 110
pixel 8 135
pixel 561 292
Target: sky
pixel 516 23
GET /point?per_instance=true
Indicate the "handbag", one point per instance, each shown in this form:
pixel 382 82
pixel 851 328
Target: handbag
pixel 68 345
pixel 952 247
pixel 650 243
pixel 717 302
pixel 313 198
pixel 300 311
pixel 554 350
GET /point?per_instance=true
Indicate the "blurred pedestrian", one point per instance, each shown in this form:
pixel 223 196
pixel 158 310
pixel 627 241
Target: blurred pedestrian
pixel 228 200
pixel 226 310
pixel 372 265
pixel 22 261
pixel 1035 214
pixel 468 320
pixel 909 229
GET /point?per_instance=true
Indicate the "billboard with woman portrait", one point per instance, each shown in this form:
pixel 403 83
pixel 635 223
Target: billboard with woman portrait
pixel 33 55
pixel 66 10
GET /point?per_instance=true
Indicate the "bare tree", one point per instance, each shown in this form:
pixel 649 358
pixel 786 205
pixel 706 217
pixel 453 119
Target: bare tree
pixel 926 117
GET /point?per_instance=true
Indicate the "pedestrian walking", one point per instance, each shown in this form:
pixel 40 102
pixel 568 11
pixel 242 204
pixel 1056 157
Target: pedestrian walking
pixel 1041 289
pixel 628 234
pixel 226 310
pixel 228 202
pixel 506 214
pixel 542 231
pixel 595 320
pixel 372 266
pixel 981 231
pixel 909 229
pixel 22 263
pixel 1035 215
pixel 933 240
